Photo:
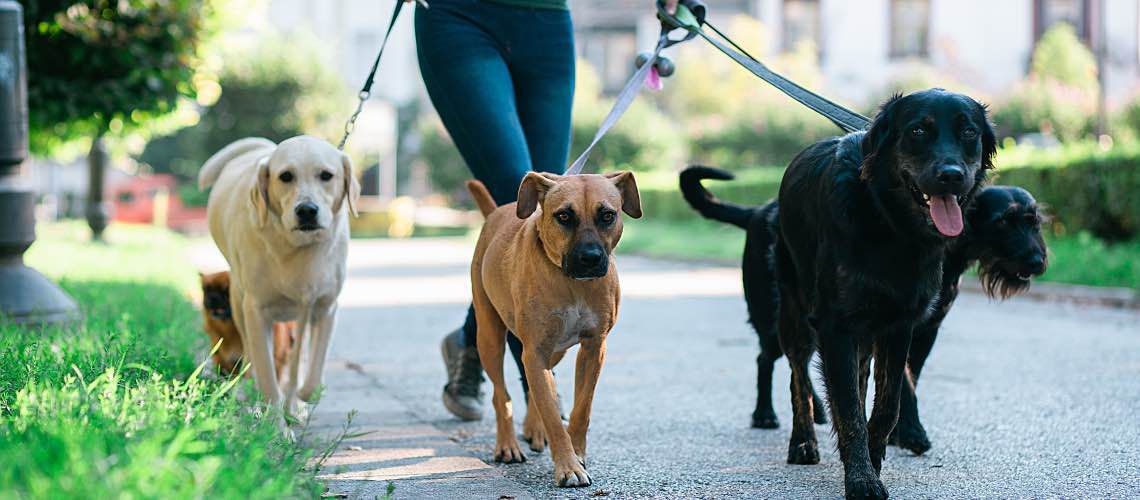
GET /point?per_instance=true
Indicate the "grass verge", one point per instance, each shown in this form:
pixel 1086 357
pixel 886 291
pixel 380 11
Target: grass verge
pixel 113 407
pixel 1076 259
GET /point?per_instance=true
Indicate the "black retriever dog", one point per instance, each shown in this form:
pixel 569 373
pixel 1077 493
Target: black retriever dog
pixel 1002 236
pixel 864 223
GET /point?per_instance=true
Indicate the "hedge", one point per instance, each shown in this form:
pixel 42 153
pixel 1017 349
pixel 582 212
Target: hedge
pixel 1084 187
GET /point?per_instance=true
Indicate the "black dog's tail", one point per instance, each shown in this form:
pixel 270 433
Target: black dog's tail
pixel 708 205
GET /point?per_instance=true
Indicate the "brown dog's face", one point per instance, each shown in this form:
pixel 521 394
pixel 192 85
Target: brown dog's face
pixel 579 223
pixel 216 295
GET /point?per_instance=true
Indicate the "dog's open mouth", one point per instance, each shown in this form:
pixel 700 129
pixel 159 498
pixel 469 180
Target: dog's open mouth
pixel 944 210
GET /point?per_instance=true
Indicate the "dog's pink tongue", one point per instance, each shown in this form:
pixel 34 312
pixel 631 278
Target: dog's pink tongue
pixel 946 214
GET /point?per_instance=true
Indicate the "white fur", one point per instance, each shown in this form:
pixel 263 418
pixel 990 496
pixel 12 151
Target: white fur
pixel 279 273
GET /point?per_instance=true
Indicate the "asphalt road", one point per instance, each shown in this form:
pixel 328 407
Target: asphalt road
pixel 1021 399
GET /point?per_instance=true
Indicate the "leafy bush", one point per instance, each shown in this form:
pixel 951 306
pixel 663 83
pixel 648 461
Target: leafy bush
pixel 1085 188
pixel 1059 97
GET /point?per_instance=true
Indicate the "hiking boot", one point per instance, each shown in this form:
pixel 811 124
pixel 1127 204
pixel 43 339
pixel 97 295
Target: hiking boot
pixel 462 395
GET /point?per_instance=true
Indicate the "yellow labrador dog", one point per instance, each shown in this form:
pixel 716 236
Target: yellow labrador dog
pixel 279 215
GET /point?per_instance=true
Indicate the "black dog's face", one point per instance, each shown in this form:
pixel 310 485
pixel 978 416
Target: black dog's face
pixel 1005 224
pixel 939 145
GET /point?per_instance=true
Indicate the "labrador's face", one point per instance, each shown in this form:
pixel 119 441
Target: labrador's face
pixel 303 184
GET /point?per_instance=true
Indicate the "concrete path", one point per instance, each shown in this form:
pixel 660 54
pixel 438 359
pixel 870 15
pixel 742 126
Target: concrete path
pixel 1021 399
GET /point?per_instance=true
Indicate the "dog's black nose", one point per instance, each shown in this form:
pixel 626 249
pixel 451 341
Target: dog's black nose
pixel 1036 264
pixel 591 256
pixel 951 175
pixel 306 211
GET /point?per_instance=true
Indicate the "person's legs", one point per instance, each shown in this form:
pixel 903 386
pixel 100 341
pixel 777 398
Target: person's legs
pixel 462 61
pixel 541 62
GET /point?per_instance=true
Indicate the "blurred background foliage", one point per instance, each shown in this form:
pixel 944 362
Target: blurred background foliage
pixel 278 88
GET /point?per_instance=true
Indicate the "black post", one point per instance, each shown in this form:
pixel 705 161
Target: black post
pixel 26 296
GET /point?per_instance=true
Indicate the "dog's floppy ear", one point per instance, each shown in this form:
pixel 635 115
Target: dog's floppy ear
pixel 879 135
pixel 531 192
pixel 351 187
pixel 630 198
pixel 989 138
pixel 259 195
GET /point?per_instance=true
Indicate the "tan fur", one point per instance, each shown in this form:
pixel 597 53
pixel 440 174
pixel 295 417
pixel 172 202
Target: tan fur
pixel 518 284
pixel 482 197
pixel 229 354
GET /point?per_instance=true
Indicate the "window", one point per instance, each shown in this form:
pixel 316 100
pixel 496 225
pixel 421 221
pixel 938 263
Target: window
pixel 801 24
pixel 910 28
pixel 1050 12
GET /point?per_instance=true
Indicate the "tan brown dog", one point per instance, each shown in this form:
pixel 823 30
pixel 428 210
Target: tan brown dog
pixel 219 325
pixel 544 269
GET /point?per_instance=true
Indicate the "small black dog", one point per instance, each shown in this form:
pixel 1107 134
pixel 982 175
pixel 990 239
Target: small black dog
pixel 864 223
pixel 1003 235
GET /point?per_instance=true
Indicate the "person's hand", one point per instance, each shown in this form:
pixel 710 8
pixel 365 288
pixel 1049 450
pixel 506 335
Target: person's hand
pixel 671 6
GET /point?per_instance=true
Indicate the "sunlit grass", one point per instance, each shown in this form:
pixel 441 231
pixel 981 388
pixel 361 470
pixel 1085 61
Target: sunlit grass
pixel 112 407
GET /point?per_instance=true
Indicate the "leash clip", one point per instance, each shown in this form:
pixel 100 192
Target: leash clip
pixel 690 16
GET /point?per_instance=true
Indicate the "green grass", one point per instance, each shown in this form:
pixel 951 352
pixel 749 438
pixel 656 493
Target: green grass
pixel 1079 259
pixel 688 239
pixel 113 407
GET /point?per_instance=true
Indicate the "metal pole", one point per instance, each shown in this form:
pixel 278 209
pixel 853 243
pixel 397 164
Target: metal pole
pixel 26 296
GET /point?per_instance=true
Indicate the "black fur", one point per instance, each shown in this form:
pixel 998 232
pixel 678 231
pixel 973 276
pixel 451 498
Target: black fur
pixel 1002 237
pixel 859 262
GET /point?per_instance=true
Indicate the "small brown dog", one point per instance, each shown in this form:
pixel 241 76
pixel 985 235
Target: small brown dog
pixel 543 268
pixel 219 324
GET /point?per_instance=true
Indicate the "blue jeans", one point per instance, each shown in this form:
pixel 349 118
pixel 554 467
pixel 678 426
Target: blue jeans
pixel 502 80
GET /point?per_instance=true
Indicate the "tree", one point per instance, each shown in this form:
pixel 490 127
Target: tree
pixel 99 67
pixel 277 89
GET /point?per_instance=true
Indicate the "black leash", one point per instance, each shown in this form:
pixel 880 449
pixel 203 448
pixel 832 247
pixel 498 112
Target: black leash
pixel 690 16
pixel 366 90
pixel 842 117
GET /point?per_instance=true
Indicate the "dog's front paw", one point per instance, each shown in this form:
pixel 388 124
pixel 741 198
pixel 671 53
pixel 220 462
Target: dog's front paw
pixel 910 436
pixel 509 452
pixel 864 487
pixel 765 420
pixel 297 412
pixel 533 432
pixel 805 453
pixel 572 474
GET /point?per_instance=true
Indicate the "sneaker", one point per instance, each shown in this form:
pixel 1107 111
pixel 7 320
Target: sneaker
pixel 462 396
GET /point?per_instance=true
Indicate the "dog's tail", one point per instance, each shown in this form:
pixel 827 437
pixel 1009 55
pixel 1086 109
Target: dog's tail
pixel 482 197
pixel 708 205
pixel 210 171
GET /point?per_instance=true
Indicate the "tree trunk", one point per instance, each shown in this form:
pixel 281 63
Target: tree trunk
pixel 98 212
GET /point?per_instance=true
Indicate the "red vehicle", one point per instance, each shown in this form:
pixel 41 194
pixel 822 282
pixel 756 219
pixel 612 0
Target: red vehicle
pixel 153 199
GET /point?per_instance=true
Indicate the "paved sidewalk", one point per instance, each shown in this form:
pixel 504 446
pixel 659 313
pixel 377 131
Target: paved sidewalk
pixel 1021 399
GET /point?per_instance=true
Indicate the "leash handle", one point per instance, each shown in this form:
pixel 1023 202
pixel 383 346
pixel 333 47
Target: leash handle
pixel 366 90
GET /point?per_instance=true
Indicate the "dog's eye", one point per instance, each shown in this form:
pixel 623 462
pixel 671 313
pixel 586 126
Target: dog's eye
pixel 326 176
pixel 969 133
pixel 917 132
pixel 607 218
pixel 286 177
pixel 564 218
